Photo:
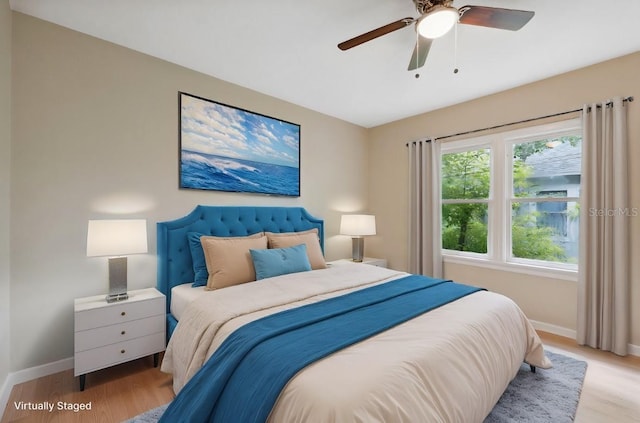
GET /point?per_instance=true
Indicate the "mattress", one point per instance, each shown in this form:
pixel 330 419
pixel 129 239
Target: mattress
pixel 182 296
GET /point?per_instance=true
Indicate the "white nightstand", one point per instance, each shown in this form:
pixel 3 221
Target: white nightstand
pixel 107 334
pixel 367 260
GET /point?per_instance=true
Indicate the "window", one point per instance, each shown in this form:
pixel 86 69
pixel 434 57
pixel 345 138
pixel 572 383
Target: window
pixel 521 210
pixel 465 198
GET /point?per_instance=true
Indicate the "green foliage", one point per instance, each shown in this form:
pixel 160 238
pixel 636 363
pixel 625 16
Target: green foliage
pixel 532 242
pixel 574 212
pixel 466 175
pixel 524 150
pixel 464 228
pixel 522 186
pixel 475 239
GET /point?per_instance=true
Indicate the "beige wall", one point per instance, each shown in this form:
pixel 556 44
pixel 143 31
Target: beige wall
pixel 547 300
pixel 96 132
pixel 5 173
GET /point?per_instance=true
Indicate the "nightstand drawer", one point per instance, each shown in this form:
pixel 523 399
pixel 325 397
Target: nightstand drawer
pixel 118 313
pixel 94 338
pixel 99 358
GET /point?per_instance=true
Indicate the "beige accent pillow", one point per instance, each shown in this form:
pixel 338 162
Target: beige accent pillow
pixel 228 259
pixel 309 238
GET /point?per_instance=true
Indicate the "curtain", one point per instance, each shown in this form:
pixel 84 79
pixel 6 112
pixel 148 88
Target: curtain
pixel 603 277
pixel 425 243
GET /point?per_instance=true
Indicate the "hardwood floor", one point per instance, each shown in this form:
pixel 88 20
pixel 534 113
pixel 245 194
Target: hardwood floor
pixel 115 394
pixel 611 390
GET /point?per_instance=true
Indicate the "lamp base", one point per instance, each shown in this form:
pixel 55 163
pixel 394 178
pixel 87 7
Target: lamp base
pixel 357 249
pixel 112 298
pixel 117 279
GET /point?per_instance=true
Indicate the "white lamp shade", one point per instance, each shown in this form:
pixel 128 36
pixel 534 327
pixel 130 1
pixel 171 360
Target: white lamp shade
pixel 358 224
pixel 438 21
pixel 116 237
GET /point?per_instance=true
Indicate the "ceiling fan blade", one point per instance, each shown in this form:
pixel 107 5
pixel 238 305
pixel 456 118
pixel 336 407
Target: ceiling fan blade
pixel 420 53
pixel 494 17
pixel 378 32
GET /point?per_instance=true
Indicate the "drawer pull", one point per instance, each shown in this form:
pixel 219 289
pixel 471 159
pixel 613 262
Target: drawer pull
pixel 122 333
pixel 123 313
pixel 121 351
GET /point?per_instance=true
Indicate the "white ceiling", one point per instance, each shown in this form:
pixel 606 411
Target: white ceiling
pixel 287 48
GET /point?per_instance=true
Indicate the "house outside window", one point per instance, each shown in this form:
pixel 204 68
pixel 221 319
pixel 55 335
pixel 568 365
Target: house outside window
pixel 552 214
pixel 513 198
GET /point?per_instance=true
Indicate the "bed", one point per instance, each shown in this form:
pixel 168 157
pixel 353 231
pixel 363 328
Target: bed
pixel 449 364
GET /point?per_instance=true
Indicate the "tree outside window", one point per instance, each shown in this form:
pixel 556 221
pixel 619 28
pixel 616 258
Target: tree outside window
pixel 465 194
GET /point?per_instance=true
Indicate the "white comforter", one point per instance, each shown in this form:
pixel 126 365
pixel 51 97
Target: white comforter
pixel 449 365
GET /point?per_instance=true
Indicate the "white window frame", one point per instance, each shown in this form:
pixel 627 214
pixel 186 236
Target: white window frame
pixel 460 147
pixel 499 240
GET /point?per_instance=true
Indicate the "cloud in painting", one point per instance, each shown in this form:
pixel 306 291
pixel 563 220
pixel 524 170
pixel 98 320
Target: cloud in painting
pixel 215 129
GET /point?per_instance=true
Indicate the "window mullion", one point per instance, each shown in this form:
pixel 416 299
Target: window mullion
pixel 465 201
pixel 544 199
pixel 495 233
pixel 507 177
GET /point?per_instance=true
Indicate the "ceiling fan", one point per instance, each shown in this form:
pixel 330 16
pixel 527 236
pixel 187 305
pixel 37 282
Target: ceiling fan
pixel 437 17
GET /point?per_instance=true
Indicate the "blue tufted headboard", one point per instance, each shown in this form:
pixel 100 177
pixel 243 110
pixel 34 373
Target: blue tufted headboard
pixel 174 257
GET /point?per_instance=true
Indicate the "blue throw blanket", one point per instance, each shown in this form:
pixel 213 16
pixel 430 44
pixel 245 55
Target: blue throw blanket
pixel 243 378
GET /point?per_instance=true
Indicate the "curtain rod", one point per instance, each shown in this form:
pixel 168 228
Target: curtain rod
pixel 627 99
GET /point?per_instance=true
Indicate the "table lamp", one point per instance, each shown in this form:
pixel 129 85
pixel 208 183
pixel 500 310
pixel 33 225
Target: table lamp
pixel 358 226
pixel 116 238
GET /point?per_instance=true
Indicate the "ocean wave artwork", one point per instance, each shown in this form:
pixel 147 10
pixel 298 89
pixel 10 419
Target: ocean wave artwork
pixel 224 148
pixel 202 171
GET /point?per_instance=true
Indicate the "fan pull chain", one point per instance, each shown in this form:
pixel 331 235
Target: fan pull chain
pixel 455 48
pixel 417 53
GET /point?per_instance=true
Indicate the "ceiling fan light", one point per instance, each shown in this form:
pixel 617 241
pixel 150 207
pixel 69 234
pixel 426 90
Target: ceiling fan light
pixel 437 21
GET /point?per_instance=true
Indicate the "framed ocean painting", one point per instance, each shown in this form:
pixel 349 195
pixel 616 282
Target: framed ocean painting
pixel 225 148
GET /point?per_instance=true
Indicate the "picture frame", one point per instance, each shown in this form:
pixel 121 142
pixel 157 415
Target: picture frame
pixel 227 148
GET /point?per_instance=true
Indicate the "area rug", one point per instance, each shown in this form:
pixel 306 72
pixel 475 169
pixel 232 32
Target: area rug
pixel 544 396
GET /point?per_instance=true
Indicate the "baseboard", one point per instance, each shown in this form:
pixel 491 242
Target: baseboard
pixel 31 373
pixel 5 391
pixel 554 329
pixel 634 350
pixel 571 334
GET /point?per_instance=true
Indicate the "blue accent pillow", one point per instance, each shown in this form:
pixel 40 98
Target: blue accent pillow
pixel 200 272
pixel 280 261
